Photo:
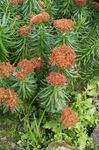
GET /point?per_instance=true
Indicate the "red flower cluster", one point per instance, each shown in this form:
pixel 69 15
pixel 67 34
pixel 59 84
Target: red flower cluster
pixel 14 2
pixel 27 66
pixel 37 63
pixel 20 76
pixel 63 57
pixel 18 17
pixel 42 17
pixel 56 79
pixel 6 70
pixel 95 5
pixel 9 98
pixel 64 25
pixel 69 118
pixel 24 31
pixel 81 3
pixel 41 4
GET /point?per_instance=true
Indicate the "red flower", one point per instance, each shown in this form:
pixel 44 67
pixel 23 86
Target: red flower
pixel 20 1
pixel 6 70
pixel 41 4
pixel 69 118
pixel 95 5
pixel 56 79
pixel 2 93
pixel 14 2
pixel 63 57
pixel 26 66
pixel 18 17
pixel 20 76
pixel 64 25
pixel 24 31
pixel 37 63
pixel 42 17
pixel 81 3
pixel 9 98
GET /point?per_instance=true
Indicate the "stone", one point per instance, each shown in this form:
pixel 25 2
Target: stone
pixel 95 135
pixel 59 145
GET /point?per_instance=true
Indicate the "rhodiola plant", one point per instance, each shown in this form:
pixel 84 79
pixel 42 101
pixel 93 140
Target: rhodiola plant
pixel 49 50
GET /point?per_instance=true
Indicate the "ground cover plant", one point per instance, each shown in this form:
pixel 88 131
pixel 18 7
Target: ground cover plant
pixel 49 73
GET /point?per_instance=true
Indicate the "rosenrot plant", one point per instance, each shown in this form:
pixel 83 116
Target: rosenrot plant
pixel 48 50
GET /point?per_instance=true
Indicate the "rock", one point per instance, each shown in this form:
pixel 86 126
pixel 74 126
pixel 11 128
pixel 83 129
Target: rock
pixel 95 135
pixel 59 145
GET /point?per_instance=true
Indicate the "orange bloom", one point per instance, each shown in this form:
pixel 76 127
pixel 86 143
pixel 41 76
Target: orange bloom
pixel 69 118
pixel 18 17
pixel 95 5
pixel 37 63
pixel 63 57
pixel 20 76
pixel 2 93
pixel 81 3
pixel 20 1
pixel 6 70
pixel 24 31
pixel 56 79
pixel 12 100
pixel 41 4
pixel 9 98
pixel 26 66
pixel 42 17
pixel 14 2
pixel 64 25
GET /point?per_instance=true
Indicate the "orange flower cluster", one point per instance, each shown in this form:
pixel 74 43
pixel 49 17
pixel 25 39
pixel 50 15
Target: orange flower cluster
pixel 95 5
pixel 14 2
pixel 42 17
pixel 27 66
pixel 6 70
pixel 69 118
pixel 63 57
pixel 41 4
pixel 37 63
pixel 64 25
pixel 9 98
pixel 18 17
pixel 81 3
pixel 56 79
pixel 24 31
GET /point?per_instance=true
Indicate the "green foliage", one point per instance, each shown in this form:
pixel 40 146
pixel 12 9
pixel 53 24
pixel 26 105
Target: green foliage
pixel 53 98
pixel 25 88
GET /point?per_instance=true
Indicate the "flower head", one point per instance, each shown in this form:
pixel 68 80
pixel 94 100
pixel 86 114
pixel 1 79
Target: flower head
pixel 63 57
pixel 6 70
pixel 20 76
pixel 18 17
pixel 41 4
pixel 95 5
pixel 24 31
pixel 81 3
pixel 37 63
pixel 64 25
pixel 26 66
pixel 42 17
pixel 56 79
pixel 20 1
pixel 9 98
pixel 14 2
pixel 69 118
